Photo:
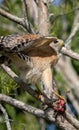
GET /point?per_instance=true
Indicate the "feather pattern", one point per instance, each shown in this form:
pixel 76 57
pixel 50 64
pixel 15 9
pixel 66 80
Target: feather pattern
pixel 33 55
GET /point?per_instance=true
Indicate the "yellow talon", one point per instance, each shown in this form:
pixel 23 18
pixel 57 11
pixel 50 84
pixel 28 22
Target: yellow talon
pixel 59 96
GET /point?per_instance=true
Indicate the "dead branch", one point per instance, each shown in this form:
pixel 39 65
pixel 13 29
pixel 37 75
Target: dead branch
pixel 6 117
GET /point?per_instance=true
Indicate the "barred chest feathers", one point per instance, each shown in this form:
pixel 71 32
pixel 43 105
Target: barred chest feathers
pixel 34 74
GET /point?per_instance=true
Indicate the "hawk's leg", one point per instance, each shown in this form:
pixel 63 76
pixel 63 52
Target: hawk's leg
pixel 47 83
pixel 60 104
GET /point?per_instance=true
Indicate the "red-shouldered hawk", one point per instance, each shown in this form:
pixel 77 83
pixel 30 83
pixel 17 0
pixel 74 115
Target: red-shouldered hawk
pixel 34 56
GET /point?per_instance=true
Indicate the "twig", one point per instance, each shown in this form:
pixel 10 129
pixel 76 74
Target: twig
pixel 72 34
pixel 6 117
pixel 15 19
pixel 24 8
pixel 26 17
pixel 75 28
pixel 62 14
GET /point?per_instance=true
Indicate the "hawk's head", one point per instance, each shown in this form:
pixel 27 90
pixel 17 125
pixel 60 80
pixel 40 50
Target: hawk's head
pixel 57 44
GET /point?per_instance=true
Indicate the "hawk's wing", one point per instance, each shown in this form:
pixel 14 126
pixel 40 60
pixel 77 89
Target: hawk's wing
pixel 23 43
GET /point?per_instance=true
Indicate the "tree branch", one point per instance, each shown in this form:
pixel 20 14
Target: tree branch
pixel 70 53
pixel 26 17
pixel 43 18
pixel 62 123
pixel 34 94
pixel 19 81
pixel 6 117
pixel 47 115
pixel 73 121
pixel 75 28
pixel 22 105
pixel 24 85
pixel 15 19
pixel 63 14
pixel 33 10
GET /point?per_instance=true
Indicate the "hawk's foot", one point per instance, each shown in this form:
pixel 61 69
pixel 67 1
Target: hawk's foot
pixel 60 104
pixel 59 96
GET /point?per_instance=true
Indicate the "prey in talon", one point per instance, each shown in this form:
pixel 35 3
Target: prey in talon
pixel 60 105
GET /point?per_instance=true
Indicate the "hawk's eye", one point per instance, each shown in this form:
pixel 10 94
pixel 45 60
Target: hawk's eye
pixel 56 42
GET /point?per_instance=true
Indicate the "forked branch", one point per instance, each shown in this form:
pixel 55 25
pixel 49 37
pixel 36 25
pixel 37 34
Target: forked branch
pixel 16 19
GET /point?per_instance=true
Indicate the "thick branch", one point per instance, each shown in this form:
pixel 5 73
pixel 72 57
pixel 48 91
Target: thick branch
pixel 70 53
pixel 33 10
pixel 6 117
pixel 15 19
pixel 73 121
pixel 43 17
pixel 22 105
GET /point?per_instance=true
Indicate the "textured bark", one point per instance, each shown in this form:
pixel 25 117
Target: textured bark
pixel 43 17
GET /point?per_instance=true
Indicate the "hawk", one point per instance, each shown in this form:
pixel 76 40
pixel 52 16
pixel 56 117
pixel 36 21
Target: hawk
pixel 34 56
